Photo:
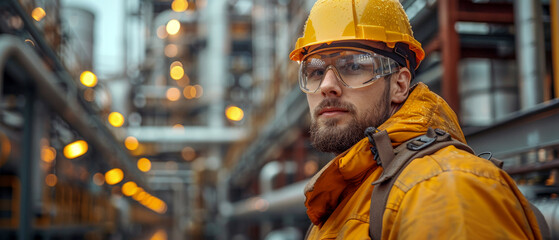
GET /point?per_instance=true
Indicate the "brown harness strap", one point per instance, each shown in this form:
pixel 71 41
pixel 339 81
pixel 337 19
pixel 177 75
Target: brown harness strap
pixel 427 144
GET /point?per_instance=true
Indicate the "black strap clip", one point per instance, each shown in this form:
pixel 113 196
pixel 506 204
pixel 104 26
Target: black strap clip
pixel 369 133
pixel 421 142
pixel 428 139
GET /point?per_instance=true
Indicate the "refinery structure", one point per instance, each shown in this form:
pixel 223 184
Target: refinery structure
pixel 188 122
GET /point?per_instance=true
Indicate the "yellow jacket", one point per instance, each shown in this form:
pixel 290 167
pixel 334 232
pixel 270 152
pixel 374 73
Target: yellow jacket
pixel 451 194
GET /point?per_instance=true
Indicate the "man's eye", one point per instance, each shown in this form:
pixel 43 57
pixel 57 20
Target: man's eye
pixel 354 67
pixel 316 73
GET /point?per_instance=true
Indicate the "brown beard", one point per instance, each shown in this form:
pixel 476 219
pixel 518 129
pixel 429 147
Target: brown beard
pixel 336 139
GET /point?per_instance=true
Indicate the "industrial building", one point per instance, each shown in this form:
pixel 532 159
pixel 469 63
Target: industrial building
pixel 194 126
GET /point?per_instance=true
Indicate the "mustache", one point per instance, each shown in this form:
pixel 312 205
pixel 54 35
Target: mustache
pixel 334 102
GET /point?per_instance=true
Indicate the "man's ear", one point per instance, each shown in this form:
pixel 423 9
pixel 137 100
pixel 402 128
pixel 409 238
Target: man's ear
pixel 400 86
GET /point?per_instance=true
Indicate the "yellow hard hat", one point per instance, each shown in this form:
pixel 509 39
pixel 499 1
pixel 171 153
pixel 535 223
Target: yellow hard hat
pixel 346 20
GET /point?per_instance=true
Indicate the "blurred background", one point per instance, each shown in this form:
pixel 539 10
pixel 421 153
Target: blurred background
pixel 182 119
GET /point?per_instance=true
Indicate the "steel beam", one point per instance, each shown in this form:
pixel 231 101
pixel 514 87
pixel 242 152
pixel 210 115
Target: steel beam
pixel 502 13
pixel 554 12
pixel 521 132
pixel 450 53
pixel 199 135
pixel 66 106
pixel 534 167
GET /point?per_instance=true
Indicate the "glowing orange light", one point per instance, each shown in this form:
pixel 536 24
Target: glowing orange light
pixel 173 26
pixel 179 5
pixel 173 94
pixel 129 188
pixel 131 143
pixel 176 72
pixel 234 113
pixel 144 164
pixel 114 176
pixel 140 195
pixel 75 149
pixel 38 14
pixel 51 180
pixel 88 79
pixel 48 154
pixel 116 119
pixel 189 92
pixel 159 235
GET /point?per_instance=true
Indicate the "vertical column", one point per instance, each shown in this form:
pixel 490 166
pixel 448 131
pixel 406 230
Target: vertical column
pixel 262 47
pixel 450 53
pixel 216 61
pixel 530 51
pixel 26 167
pixel 554 9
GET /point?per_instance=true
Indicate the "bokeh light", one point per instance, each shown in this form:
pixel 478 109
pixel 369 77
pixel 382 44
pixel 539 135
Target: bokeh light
pixel 88 79
pixel 188 153
pixel 114 176
pixel 129 188
pixel 75 149
pixel 48 154
pixel 116 119
pixel 131 143
pixel 171 50
pixel 144 164
pixel 38 14
pixel 234 113
pixel 199 91
pixel 189 92
pixel 179 5
pixel 173 94
pixel 51 180
pixel 161 32
pixel 98 179
pixel 173 26
pixel 176 72
pixel 159 235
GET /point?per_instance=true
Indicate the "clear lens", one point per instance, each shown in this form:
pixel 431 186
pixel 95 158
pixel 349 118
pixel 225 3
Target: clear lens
pixel 355 69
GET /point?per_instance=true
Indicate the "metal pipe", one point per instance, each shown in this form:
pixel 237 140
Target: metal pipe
pixel 450 53
pixel 288 200
pixel 550 211
pixel 216 63
pixel 25 169
pixel 554 12
pixel 530 47
pixel 271 170
pixel 73 113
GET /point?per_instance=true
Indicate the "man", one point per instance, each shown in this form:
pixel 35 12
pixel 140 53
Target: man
pixel 357 59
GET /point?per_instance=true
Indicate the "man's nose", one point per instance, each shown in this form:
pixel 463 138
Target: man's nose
pixel 330 86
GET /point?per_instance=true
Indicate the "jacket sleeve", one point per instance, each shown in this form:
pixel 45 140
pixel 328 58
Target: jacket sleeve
pixel 456 205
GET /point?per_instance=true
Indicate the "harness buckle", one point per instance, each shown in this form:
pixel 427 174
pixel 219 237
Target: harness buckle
pixel 369 133
pixel 421 142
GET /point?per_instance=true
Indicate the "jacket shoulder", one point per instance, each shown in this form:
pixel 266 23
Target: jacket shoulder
pixel 446 161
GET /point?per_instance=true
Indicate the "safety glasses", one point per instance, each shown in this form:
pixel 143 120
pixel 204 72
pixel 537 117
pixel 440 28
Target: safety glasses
pixel 355 68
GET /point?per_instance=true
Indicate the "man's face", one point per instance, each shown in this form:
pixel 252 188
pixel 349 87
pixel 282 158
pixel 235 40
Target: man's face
pixel 340 115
